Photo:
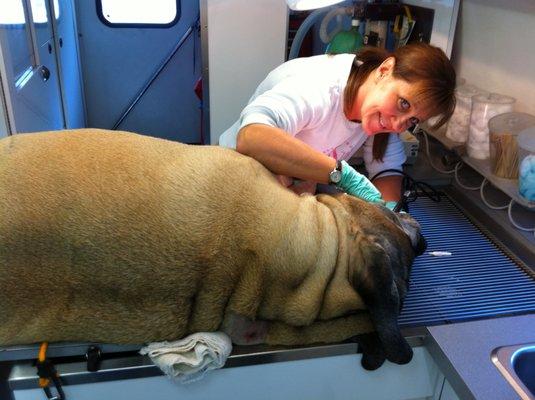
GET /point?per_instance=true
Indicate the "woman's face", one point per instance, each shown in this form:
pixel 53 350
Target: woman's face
pixel 387 104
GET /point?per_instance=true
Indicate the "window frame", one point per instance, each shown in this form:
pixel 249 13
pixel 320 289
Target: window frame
pixel 103 19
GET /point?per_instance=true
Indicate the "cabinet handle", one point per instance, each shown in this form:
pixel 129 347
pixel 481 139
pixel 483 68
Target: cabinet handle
pixel 45 73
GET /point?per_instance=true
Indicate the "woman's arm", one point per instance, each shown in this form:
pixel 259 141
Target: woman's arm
pixel 389 186
pixel 394 157
pixel 284 154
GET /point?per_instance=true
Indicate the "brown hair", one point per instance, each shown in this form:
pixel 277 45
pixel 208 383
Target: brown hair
pixel 419 63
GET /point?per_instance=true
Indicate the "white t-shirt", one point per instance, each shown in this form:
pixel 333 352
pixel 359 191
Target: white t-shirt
pixel 305 97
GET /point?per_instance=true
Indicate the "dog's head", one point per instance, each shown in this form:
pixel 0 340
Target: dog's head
pixel 382 247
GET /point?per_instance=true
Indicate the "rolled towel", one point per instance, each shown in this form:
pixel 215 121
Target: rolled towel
pixel 188 359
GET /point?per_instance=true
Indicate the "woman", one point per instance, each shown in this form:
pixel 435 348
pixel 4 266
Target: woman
pixel 312 114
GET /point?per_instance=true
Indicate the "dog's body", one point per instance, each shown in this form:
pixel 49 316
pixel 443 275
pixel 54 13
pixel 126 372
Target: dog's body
pixel 121 238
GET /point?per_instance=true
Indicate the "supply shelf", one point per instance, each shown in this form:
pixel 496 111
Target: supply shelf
pixel 507 186
pixel 440 135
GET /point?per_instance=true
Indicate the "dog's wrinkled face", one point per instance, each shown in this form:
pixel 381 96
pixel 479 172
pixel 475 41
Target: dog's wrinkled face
pixel 384 245
pixel 410 226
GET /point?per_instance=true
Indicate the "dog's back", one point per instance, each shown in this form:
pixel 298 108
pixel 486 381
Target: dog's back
pixel 82 211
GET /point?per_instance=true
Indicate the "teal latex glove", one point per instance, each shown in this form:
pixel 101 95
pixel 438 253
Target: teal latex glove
pixel 358 185
pixel 390 205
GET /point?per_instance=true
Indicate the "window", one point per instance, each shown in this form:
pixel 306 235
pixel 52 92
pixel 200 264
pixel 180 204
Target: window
pixel 13 12
pixel 39 12
pixel 136 13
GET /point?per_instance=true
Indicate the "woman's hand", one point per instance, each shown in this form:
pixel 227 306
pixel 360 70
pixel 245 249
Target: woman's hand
pixel 356 184
pixel 297 186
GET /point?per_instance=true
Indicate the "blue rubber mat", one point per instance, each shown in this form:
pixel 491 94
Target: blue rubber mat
pixel 478 280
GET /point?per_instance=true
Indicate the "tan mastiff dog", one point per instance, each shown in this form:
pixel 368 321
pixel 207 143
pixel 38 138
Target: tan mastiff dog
pixel 121 238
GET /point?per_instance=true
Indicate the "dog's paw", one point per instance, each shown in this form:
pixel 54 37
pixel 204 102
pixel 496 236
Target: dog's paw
pixel 372 361
pixel 373 354
pixel 402 354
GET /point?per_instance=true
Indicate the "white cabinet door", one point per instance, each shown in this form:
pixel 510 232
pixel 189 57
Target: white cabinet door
pixel 66 41
pixel 332 378
pixel 448 393
pixel 4 131
pixel 28 66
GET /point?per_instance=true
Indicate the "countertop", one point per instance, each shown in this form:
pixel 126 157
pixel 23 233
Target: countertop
pixel 463 353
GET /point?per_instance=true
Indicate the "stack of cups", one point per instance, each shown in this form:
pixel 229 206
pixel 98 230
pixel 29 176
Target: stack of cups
pixel 484 107
pixel 459 124
pixel 526 157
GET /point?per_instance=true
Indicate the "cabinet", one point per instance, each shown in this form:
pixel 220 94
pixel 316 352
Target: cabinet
pixel 447 392
pixel 333 377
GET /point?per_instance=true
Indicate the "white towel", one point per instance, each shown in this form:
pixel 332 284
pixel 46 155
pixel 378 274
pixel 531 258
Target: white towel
pixel 188 359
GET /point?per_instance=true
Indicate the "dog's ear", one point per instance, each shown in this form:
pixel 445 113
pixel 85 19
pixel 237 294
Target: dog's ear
pixel 375 283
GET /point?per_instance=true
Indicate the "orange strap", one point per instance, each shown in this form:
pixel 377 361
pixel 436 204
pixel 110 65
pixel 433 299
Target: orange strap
pixel 43 382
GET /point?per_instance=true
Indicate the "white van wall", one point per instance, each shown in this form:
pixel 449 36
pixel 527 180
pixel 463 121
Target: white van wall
pixel 493 48
pixel 242 41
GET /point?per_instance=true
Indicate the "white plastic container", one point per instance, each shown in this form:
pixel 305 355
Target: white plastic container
pixel 484 107
pixel 459 123
pixel 526 158
pixel 503 131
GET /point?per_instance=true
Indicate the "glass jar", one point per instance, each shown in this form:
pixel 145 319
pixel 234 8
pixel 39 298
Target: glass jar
pixel 503 132
pixel 459 123
pixel 526 159
pixel 484 107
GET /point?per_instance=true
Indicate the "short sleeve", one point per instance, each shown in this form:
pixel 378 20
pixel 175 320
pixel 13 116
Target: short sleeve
pixel 292 105
pixel 394 156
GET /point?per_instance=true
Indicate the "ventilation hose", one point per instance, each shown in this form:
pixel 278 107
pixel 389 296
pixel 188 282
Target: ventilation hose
pixel 338 12
pixel 302 31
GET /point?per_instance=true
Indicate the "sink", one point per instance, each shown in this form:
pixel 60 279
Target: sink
pixel 517 365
